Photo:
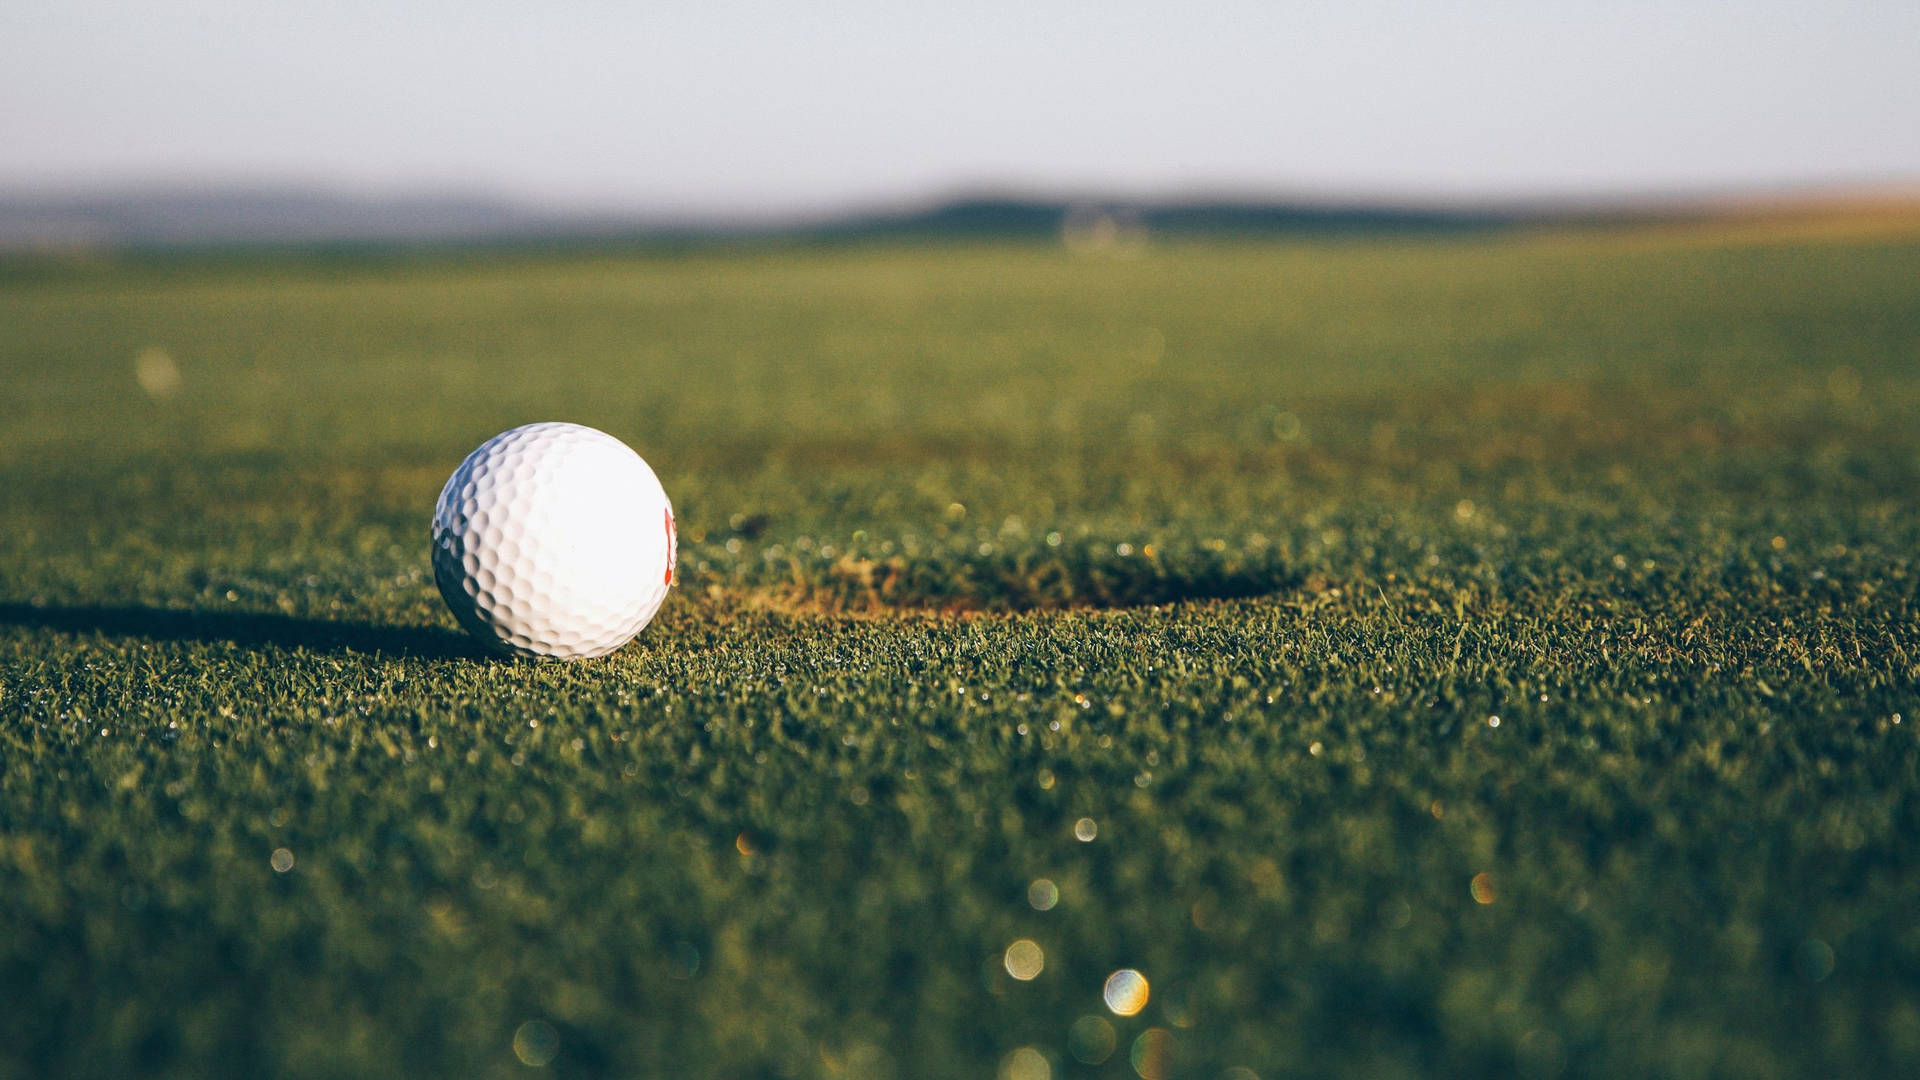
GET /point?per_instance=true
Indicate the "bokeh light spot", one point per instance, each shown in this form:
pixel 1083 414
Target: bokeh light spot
pixel 1091 1040
pixel 1125 992
pixel 536 1043
pixel 1815 960
pixel 1153 1054
pixel 1482 888
pixel 156 372
pixel 1025 960
pixel 1026 1063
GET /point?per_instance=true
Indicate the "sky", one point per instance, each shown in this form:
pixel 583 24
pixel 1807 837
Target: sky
pixel 723 106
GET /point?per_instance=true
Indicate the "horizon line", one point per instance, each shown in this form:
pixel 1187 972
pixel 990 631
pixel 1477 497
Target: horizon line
pixel 1433 198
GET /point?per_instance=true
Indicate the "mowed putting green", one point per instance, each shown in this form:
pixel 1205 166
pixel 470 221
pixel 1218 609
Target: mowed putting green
pixel 1473 657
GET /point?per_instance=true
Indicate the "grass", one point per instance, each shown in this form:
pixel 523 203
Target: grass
pixel 1470 657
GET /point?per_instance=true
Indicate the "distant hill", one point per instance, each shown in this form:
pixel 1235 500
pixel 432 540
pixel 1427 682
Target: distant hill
pixel 1042 217
pixel 178 217
pixel 172 217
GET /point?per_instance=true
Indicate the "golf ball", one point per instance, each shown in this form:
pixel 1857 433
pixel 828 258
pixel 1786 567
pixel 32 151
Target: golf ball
pixel 553 540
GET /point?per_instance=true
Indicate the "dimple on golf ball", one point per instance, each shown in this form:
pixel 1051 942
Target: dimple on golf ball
pixel 553 540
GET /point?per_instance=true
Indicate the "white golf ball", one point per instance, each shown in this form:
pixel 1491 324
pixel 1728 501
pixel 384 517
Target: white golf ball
pixel 553 540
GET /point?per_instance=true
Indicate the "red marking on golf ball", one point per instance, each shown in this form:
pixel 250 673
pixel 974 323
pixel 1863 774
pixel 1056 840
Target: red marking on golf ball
pixel 673 545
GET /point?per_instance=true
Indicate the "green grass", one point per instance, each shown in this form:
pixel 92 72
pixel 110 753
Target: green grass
pixel 1235 550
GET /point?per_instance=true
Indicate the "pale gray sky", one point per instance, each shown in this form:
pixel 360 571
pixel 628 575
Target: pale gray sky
pixel 726 105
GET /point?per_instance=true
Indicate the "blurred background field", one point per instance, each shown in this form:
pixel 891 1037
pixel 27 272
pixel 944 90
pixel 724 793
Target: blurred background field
pixel 1230 542
pixel 1464 654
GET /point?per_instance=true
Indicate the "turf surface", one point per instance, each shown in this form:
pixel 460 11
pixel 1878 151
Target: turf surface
pixel 1469 657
